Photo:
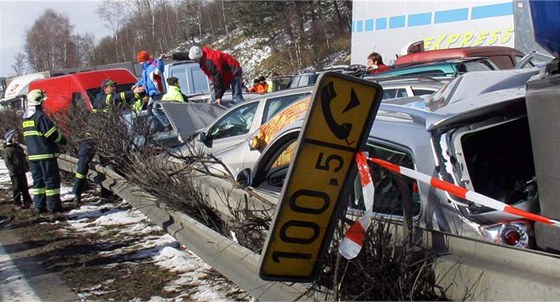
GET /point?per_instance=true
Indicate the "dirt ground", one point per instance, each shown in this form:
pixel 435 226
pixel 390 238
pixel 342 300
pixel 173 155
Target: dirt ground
pixel 78 259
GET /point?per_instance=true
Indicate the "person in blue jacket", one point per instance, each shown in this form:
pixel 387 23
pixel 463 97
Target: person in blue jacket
pixel 152 81
pixel 42 138
pixel 152 75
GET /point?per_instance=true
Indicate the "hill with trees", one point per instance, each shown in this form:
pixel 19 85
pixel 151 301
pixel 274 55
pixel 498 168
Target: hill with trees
pixel 265 36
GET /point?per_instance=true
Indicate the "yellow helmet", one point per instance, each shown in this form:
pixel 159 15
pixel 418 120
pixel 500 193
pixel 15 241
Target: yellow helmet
pixel 36 97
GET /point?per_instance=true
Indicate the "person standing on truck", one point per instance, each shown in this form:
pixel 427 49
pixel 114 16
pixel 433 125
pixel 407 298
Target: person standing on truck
pixel 375 64
pixel 221 68
pixel 17 165
pixel 42 138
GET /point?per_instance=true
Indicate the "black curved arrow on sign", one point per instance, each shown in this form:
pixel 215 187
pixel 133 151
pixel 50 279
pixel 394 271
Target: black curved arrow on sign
pixel 328 94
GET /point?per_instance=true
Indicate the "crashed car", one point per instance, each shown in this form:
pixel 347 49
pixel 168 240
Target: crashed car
pixel 481 143
pixel 240 159
pixel 445 68
pixel 236 124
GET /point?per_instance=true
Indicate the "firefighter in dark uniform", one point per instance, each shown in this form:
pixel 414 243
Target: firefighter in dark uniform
pixel 108 97
pixel 42 138
pixel 85 155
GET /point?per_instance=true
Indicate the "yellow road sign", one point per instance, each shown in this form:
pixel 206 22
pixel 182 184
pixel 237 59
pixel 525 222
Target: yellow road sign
pixel 319 179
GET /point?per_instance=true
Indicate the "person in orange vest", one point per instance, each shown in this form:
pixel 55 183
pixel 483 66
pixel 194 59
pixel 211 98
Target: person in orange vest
pixel 261 86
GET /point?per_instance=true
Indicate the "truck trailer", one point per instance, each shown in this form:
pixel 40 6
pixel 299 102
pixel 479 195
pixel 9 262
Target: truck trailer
pixel 389 27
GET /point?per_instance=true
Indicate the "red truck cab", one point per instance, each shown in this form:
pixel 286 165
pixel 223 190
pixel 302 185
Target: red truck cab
pixel 504 57
pixel 80 89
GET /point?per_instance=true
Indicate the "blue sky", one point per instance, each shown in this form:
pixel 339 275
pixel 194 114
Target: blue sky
pixel 16 17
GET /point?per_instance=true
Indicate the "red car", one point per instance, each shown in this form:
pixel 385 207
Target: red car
pixel 504 57
pixel 80 89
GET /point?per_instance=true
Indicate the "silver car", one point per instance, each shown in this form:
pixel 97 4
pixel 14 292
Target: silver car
pixel 239 122
pixel 240 158
pixel 480 143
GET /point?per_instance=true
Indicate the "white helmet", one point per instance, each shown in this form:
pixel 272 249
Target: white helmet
pixel 36 97
pixel 195 53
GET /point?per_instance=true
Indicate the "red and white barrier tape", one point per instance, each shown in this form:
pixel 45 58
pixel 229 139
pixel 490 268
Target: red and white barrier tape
pixel 354 237
pixel 464 193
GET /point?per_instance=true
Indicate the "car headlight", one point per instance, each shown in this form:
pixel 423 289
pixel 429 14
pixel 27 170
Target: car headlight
pixel 517 233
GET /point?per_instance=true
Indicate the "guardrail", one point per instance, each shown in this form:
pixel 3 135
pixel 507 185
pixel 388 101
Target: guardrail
pixel 467 269
pixel 232 260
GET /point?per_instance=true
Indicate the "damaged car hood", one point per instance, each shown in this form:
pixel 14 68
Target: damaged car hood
pixel 189 118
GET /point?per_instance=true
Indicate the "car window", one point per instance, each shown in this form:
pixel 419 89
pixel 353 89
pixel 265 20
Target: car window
pixel 236 122
pixel 309 80
pixel 198 82
pixel 389 93
pixel 475 66
pixel 294 82
pixel 401 93
pixel 436 72
pixel 422 91
pixel 275 105
pixel 392 190
pixel 275 167
pixel 503 61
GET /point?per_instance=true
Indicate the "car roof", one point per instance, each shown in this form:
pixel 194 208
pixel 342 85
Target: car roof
pixel 388 117
pixel 473 51
pixel 437 68
pixel 457 92
pixel 426 81
pixel 266 96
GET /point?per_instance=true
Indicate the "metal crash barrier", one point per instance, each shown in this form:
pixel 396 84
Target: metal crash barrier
pixel 468 269
pixel 232 260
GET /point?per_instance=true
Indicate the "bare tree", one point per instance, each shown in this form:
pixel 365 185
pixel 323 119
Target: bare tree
pixel 19 64
pixel 85 49
pixel 49 44
pixel 115 14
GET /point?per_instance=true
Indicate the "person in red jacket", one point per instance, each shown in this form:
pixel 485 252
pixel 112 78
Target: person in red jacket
pixel 375 64
pixel 221 68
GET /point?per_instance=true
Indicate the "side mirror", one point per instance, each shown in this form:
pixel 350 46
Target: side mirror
pixel 277 176
pixel 203 137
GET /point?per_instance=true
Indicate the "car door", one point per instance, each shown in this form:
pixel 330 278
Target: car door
pixel 232 128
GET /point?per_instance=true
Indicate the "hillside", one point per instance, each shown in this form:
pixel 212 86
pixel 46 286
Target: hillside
pixel 258 58
pixel 273 36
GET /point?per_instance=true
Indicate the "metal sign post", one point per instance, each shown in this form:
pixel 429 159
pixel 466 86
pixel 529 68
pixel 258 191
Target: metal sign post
pixel 320 176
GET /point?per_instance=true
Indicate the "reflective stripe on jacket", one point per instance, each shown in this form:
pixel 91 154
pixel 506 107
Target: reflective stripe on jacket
pixel 41 136
pixel 122 99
